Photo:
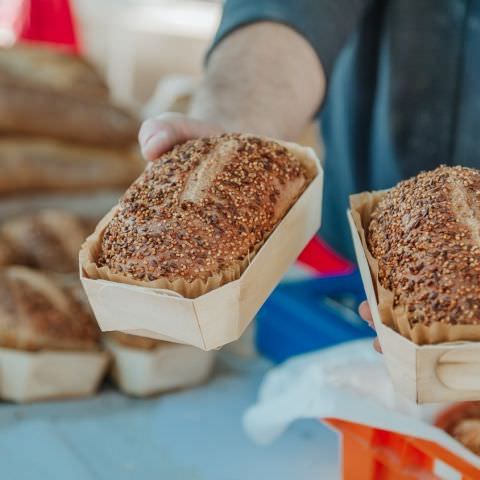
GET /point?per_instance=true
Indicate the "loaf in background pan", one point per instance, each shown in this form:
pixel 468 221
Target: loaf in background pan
pixel 39 312
pixel 48 240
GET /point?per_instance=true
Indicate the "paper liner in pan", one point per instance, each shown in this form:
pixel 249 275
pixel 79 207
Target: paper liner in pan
pixel 47 375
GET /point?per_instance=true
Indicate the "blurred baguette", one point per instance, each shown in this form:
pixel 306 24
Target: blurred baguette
pixel 49 93
pixel 38 164
pixel 95 121
pixel 51 69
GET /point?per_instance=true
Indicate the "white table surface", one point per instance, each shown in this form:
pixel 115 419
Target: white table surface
pixel 189 435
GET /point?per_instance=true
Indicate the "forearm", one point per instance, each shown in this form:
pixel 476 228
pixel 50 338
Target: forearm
pixel 263 78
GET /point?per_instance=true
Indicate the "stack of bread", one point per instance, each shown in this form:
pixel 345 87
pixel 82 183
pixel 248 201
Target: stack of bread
pixel 60 132
pixel 58 129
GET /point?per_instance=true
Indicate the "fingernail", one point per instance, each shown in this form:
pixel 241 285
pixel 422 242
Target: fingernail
pixel 146 138
pixel 144 135
pixel 152 144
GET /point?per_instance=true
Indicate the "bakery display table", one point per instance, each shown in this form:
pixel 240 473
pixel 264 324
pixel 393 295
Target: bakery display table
pixel 187 435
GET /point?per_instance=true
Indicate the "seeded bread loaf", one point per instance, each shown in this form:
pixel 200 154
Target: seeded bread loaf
pixel 202 210
pixel 425 236
pixel 39 312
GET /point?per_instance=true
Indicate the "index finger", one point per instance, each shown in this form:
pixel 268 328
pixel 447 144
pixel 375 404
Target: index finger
pixel 160 134
pixel 365 312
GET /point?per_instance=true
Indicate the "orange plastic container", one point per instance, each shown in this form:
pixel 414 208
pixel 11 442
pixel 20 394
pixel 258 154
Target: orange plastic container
pixel 372 454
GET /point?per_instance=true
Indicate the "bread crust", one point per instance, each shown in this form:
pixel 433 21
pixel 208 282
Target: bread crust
pixel 91 120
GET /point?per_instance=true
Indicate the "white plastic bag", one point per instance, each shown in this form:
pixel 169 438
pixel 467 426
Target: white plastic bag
pixel 348 382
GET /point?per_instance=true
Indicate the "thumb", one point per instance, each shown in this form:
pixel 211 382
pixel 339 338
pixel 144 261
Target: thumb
pixel 159 134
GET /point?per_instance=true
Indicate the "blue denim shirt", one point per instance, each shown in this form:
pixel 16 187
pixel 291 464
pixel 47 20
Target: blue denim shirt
pixel 403 88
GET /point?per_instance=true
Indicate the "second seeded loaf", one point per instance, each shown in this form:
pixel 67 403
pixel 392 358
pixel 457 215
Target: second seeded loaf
pixel 425 235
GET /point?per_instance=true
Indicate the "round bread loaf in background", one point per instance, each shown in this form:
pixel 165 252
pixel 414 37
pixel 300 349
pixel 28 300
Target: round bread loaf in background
pixel 462 422
pixel 202 209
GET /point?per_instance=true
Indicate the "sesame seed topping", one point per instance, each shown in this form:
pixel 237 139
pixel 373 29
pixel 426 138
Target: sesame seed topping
pixel 425 235
pixel 201 208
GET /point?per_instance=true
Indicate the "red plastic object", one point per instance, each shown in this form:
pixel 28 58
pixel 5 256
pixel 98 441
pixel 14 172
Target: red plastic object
pixel 373 454
pixel 323 259
pixel 47 21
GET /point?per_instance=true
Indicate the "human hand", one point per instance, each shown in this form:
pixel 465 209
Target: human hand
pixel 366 314
pixel 159 134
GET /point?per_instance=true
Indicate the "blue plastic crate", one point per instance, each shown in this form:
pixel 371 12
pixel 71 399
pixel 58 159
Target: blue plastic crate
pixel 299 317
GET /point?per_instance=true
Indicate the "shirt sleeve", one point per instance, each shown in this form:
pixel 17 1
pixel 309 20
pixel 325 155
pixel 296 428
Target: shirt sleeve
pixel 325 24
